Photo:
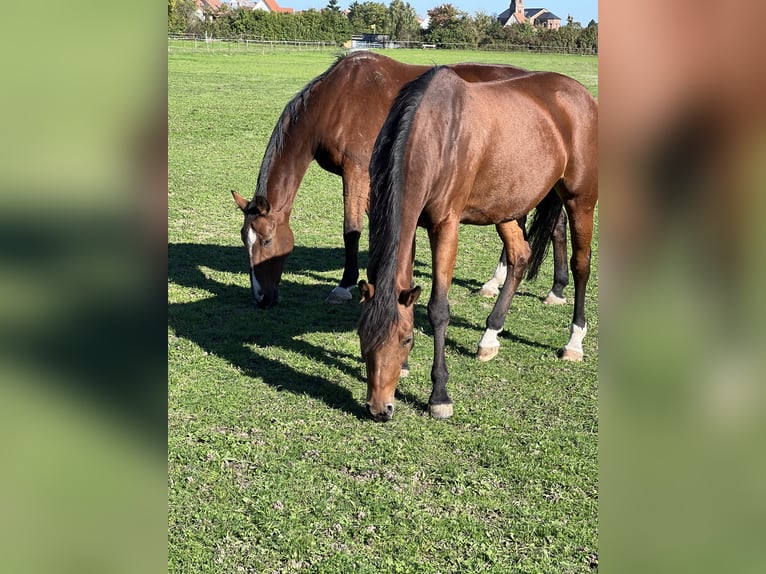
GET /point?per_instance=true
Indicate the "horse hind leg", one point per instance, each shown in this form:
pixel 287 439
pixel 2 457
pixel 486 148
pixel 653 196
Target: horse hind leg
pixel 581 228
pixel 518 253
pixel 492 287
pixel 560 271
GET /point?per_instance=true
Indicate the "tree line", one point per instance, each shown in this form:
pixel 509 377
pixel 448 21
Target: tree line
pixel 448 26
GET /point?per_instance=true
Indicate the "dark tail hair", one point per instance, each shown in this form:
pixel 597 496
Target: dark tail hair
pixel 541 229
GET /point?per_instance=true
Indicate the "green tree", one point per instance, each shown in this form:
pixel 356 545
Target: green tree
pixel 520 35
pixel 368 17
pixel 333 5
pixel 182 17
pixel 588 39
pixel 567 37
pixel 335 26
pixel 402 21
pixel 448 25
pixel 487 28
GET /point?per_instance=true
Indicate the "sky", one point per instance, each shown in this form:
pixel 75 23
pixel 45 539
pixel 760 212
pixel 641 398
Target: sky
pixel 583 11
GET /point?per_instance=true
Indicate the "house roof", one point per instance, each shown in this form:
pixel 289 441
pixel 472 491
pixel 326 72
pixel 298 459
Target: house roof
pixel 274 7
pixel 506 15
pixel 540 14
pixel 530 12
pixel 548 16
pixel 214 5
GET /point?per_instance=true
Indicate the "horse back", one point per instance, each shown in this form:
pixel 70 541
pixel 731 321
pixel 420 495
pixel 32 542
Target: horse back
pixel 356 95
pixel 504 143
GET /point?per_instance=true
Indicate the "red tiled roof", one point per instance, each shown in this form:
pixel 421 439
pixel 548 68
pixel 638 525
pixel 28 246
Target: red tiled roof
pixel 274 7
pixel 214 5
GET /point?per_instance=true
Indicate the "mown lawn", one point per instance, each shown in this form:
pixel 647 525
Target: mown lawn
pixel 273 465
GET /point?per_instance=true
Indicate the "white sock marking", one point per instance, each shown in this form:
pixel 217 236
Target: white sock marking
pixel 577 334
pixel 489 339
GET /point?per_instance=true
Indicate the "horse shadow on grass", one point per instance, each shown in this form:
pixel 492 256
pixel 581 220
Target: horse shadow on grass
pixel 222 320
pixel 225 323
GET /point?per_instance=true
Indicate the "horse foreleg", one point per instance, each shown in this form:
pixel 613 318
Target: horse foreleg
pixel 405 370
pixel 581 228
pixel 560 269
pixel 443 240
pixel 518 252
pixel 355 187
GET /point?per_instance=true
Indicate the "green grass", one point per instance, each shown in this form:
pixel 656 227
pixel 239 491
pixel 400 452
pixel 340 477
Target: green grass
pixel 272 464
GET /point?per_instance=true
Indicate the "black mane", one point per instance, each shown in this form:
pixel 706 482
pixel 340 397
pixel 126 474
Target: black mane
pixel 386 189
pixel 290 115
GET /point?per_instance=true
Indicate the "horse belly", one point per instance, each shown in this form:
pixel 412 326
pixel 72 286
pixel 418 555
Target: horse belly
pixel 488 214
pixel 497 199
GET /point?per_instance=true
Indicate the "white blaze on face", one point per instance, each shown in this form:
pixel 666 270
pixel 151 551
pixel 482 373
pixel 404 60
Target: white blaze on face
pixel 251 239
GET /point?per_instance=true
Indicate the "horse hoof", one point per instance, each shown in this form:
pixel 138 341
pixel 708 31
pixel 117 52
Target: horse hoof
pixel 488 292
pixel 552 299
pixel 339 295
pixel 404 373
pixel 441 411
pixel 485 354
pixel 570 355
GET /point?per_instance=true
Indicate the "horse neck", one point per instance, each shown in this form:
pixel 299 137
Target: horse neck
pixel 290 165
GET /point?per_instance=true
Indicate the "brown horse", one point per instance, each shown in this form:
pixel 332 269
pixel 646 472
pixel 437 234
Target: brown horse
pixel 334 120
pixel 454 152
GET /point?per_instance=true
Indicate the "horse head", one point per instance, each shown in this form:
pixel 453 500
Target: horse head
pixel 385 346
pixel 268 244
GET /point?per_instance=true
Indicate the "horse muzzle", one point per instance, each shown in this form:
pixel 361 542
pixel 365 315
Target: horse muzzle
pixel 378 415
pixel 263 298
pixel 266 299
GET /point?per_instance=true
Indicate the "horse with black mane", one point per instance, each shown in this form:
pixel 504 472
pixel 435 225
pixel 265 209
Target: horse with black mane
pixel 334 120
pixel 453 152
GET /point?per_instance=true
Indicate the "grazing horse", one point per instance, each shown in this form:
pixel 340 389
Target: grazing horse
pixel 453 152
pixel 334 120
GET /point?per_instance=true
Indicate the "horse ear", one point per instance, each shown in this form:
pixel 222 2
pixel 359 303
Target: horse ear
pixel 366 291
pixel 409 296
pixel 241 201
pixel 261 204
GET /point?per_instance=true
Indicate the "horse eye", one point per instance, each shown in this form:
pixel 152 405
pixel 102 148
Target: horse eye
pixel 407 340
pixel 266 242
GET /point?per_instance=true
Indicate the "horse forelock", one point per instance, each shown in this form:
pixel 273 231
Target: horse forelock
pixel 291 114
pixel 387 173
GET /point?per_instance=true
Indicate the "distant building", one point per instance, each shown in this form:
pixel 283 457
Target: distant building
pixel 517 14
pixel 367 41
pixel 265 5
pixel 211 7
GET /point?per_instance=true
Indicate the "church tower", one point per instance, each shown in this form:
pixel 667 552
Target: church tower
pixel 518 8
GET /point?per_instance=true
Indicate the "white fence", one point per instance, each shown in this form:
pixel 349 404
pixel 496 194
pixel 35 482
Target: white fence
pixel 263 46
pixel 244 45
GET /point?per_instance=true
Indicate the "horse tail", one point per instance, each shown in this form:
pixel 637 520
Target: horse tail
pixel 541 229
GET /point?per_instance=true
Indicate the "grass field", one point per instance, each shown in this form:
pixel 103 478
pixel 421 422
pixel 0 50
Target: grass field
pixel 273 465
